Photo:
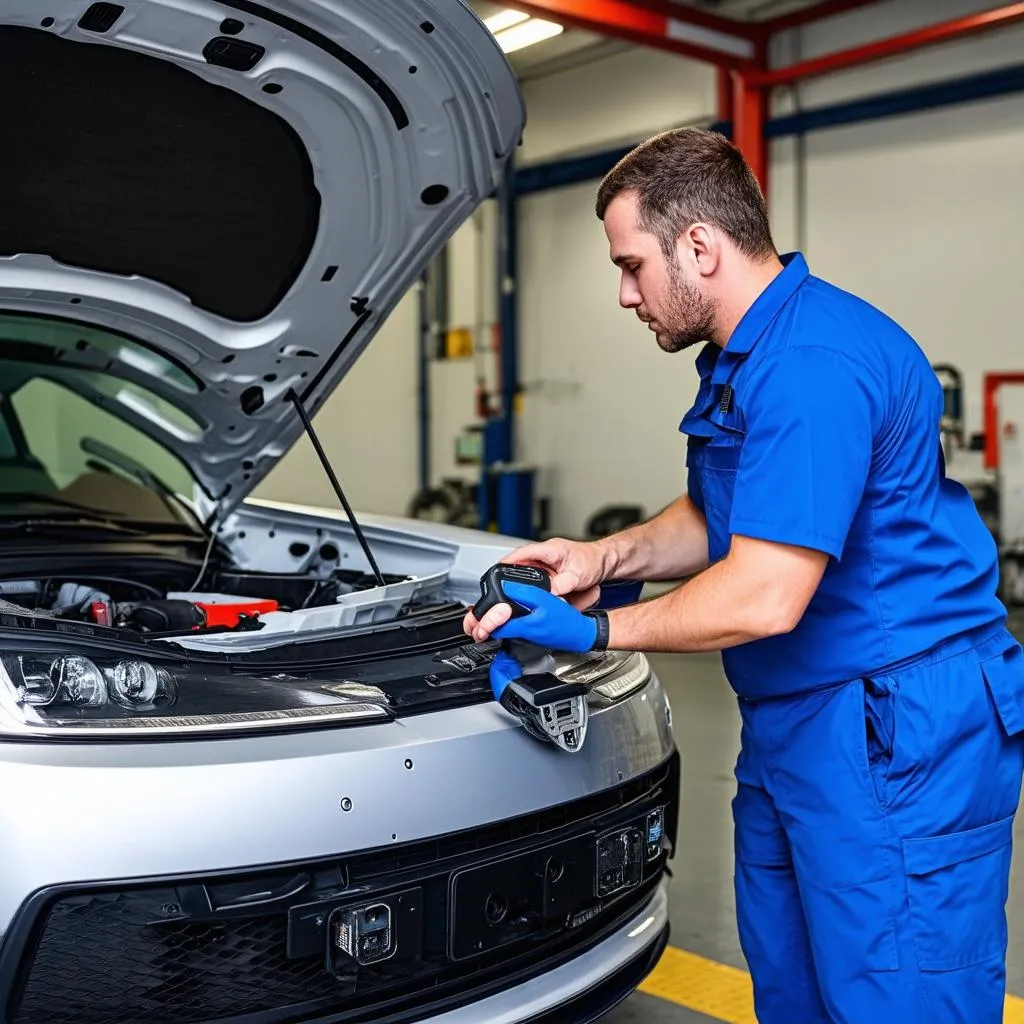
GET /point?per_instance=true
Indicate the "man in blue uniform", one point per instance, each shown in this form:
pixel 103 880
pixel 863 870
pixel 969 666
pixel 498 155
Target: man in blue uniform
pixel 852 590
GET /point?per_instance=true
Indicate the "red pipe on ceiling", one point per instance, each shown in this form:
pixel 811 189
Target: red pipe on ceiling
pixel 695 16
pixel 664 26
pixel 947 31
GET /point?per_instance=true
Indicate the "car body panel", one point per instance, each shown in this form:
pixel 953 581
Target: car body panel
pixel 249 802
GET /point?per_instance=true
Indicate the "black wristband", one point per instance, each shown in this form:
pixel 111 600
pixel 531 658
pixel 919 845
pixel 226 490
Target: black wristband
pixel 601 618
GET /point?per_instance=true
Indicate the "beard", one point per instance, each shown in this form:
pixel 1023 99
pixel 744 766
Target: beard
pixel 687 316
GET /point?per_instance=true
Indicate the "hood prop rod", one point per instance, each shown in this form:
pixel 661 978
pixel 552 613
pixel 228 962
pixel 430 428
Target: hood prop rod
pixel 311 433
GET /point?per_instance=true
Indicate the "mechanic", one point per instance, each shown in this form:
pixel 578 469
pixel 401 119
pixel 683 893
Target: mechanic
pixel 852 589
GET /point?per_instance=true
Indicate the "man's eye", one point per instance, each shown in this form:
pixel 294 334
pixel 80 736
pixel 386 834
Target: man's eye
pixel 635 268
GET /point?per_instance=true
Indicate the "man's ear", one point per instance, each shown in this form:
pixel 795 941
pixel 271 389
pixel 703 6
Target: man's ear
pixel 698 246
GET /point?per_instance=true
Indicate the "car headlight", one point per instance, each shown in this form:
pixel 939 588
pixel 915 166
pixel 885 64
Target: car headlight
pixel 612 676
pixel 97 696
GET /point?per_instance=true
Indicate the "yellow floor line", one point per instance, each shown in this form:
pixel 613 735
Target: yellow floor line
pixel 724 993
pixel 711 988
pixel 1013 1010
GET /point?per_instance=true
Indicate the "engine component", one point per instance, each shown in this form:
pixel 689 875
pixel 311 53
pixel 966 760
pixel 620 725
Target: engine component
pixel 161 616
pixel 235 614
pixel 228 610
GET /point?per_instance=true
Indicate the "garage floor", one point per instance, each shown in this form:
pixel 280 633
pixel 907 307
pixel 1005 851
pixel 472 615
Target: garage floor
pixel 698 980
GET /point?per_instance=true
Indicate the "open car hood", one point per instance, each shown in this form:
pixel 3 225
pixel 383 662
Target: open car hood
pixel 246 188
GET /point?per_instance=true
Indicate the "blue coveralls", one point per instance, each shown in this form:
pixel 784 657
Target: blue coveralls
pixel 882 739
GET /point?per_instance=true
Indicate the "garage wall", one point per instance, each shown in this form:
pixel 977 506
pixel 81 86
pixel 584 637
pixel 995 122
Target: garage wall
pixel 368 429
pixel 614 100
pixel 920 214
pixel 370 426
pixel 472 304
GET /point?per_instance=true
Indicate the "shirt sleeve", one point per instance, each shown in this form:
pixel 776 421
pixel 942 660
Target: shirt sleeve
pixel 807 451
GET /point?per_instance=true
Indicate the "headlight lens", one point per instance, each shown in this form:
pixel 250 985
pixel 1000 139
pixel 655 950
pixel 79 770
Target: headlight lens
pixel 89 696
pixel 611 676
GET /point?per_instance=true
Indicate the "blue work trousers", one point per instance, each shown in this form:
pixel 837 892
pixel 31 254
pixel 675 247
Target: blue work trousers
pixel 874 824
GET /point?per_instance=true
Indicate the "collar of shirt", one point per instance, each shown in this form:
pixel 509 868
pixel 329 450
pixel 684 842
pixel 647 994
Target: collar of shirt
pixel 715 365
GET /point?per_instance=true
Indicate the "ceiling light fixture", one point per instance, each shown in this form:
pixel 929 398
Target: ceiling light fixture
pixel 505 19
pixel 526 33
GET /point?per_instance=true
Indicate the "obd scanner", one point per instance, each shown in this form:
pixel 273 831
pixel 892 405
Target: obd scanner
pixel 491 592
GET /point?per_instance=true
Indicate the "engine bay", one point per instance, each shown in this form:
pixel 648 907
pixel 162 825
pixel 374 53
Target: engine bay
pixel 233 601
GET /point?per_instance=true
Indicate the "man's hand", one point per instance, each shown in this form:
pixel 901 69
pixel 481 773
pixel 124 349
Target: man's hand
pixel 576 569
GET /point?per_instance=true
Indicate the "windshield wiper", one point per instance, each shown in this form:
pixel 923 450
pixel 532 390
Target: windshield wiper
pixel 66 513
pixel 42 498
pixel 293 397
pixel 68 524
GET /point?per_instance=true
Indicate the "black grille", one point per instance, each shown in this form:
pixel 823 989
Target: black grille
pixel 100 959
pixel 191 951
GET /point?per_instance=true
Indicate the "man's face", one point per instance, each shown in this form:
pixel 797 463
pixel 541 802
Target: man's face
pixel 665 297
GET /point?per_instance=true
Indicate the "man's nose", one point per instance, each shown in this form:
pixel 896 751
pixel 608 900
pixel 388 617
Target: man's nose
pixel 629 294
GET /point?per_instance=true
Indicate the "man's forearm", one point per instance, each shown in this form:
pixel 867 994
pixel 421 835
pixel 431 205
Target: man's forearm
pixel 672 545
pixel 759 590
pixel 709 613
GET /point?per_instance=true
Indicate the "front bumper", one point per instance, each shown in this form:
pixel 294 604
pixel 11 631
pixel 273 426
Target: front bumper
pixel 141 848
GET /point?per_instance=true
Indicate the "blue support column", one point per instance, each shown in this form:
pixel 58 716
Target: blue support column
pixel 424 383
pixel 508 254
pixel 507 491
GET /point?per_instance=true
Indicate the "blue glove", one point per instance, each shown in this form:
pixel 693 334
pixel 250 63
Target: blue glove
pixel 552 621
pixel 505 669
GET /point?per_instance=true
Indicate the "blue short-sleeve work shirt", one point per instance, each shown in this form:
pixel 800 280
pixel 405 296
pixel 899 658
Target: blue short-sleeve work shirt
pixel 818 425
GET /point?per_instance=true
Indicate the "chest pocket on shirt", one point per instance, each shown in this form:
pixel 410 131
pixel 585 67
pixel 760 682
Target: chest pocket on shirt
pixel 722 452
pixel 716 462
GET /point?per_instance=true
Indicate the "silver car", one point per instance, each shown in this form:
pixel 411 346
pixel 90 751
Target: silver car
pixel 252 769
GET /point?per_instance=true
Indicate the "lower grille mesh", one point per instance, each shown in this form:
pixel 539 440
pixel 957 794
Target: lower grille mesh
pixel 101 960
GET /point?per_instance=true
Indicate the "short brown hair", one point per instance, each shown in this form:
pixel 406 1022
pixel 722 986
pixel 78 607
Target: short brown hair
pixel 688 175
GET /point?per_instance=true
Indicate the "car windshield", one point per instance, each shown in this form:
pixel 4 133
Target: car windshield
pixel 68 396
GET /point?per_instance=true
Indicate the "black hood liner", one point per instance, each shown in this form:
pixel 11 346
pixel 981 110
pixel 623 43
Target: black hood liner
pixel 128 164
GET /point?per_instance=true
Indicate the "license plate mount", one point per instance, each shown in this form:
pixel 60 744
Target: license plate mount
pixel 516 897
pixel 620 861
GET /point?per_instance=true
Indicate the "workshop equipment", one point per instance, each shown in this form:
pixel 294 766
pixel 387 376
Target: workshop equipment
pixel 991 465
pixel 963 454
pixel 507 499
pixel 1004 459
pixel 951 425
pixel 550 709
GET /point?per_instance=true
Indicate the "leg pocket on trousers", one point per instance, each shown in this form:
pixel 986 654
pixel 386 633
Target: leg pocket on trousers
pixel 957 885
pixel 879 734
pixel 1004 676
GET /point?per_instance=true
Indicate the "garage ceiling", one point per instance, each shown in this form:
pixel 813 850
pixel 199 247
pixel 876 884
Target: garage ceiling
pixel 573 46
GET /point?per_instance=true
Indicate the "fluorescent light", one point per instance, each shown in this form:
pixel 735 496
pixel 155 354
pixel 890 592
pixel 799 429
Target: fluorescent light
pixel 533 30
pixel 505 19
